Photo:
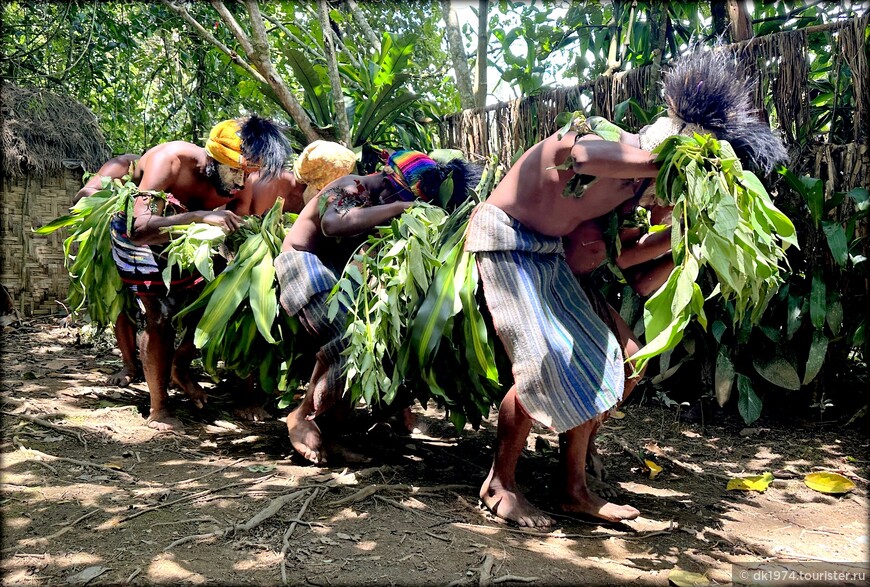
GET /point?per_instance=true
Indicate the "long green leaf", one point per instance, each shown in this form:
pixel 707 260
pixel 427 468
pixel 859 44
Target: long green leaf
pixel 438 306
pixel 263 297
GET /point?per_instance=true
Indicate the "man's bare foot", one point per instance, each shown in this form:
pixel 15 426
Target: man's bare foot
pixel 586 502
pixel 305 437
pixel 164 421
pixel 594 463
pixel 251 413
pixel 605 490
pixel 511 505
pixel 124 377
pixel 191 388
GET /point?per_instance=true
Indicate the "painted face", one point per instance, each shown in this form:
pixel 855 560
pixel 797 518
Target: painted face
pixel 231 179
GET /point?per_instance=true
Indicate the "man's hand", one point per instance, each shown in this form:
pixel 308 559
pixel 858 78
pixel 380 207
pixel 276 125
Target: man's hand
pixel 227 220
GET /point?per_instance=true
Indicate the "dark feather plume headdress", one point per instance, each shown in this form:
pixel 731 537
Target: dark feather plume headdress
pixel 264 144
pixel 705 90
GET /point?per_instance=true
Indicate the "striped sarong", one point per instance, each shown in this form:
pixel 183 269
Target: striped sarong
pixel 141 266
pixel 305 283
pixel 567 365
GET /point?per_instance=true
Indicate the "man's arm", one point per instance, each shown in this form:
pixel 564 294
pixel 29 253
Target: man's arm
pixel 160 175
pixel 114 168
pixel 359 220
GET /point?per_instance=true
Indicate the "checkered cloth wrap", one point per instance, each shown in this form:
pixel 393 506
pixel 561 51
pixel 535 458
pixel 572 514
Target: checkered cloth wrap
pixel 305 283
pixel 567 364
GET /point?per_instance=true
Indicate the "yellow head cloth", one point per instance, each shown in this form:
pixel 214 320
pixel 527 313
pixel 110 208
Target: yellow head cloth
pixel 224 144
pixel 321 163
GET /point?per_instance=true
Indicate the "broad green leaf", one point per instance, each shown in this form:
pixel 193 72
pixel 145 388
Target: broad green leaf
pixel 818 300
pixel 479 352
pixel 724 377
pixel 834 317
pixel 794 316
pixel 748 403
pixel 836 241
pixel 776 369
pixel 816 358
pixel 263 297
pixel 428 325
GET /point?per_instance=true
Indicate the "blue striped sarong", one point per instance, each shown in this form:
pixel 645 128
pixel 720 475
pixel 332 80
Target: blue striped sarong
pixel 141 266
pixel 305 283
pixel 567 364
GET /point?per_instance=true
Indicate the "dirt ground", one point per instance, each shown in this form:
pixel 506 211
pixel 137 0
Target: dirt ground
pixel 91 495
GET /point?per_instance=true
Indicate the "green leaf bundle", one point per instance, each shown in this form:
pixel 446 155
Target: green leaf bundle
pixel 241 329
pixel 414 312
pixel 725 222
pixel 95 285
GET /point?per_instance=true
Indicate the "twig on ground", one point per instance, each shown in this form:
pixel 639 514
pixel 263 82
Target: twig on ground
pixel 436 536
pixel 285 540
pixel 189 521
pixel 51 458
pixel 270 510
pixel 544 534
pixel 133 575
pixel 193 496
pixel 485 571
pixel 370 490
pixel 192 479
pixel 513 579
pixel 402 506
pixel 46 424
pixel 46 539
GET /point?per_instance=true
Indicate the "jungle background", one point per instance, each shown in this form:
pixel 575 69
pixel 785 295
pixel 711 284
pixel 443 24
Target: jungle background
pixel 788 393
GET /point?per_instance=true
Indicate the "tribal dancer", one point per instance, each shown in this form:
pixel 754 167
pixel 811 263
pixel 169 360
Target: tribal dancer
pixel 567 365
pixel 312 258
pixel 181 183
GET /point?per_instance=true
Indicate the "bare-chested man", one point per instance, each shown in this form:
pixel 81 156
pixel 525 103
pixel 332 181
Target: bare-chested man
pixel 313 257
pixel 567 364
pixel 196 181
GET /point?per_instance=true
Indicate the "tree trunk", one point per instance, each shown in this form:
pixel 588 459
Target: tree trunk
pixel 741 21
pixel 457 54
pixel 659 24
pixel 719 11
pixel 363 24
pixel 482 44
pixel 341 123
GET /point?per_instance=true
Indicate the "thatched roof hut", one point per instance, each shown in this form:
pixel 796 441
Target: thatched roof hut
pixel 47 143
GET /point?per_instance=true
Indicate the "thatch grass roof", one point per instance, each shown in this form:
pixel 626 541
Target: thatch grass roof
pixel 44 133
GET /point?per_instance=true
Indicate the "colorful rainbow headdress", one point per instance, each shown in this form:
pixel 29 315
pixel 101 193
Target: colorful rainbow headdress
pixel 417 176
pixel 706 92
pixel 406 170
pixel 249 143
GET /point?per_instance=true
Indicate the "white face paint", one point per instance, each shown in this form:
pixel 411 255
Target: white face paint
pixel 232 179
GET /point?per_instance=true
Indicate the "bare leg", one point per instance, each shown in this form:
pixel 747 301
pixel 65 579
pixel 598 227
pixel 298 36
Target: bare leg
pixel 499 491
pixel 125 335
pixel 250 402
pixel 181 376
pixel 630 345
pixel 578 498
pixel 304 433
pixel 158 341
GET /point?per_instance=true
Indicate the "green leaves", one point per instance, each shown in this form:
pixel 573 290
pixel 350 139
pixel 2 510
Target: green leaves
pixel 725 224
pixel 95 284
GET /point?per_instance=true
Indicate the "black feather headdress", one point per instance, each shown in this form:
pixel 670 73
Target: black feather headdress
pixel 707 89
pixel 264 144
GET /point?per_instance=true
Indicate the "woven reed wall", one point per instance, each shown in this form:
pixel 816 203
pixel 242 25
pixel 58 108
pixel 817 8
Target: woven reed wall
pixel 31 266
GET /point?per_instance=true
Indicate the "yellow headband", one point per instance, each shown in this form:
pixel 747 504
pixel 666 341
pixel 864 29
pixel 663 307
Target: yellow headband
pixel 224 144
